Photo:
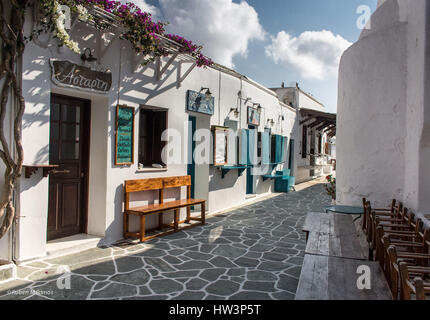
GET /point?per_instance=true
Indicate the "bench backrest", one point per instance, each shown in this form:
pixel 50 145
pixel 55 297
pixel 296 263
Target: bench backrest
pixel 159 184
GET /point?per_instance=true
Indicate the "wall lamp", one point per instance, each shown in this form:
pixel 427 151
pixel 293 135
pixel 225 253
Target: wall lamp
pixel 236 111
pixel 208 93
pixel 271 121
pixel 258 106
pixel 87 55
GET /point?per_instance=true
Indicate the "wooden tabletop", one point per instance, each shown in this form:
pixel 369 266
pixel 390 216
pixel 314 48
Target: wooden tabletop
pixel 329 223
pixel 329 278
pixel 333 235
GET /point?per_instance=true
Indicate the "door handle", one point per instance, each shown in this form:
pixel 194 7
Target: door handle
pixel 59 171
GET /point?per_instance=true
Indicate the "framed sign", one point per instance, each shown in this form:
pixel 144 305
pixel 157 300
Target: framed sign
pixel 253 116
pixel 124 135
pixel 220 145
pixel 72 75
pixel 198 102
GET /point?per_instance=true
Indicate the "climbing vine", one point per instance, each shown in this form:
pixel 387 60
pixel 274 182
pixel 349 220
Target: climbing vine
pixel 138 28
pixel 12 49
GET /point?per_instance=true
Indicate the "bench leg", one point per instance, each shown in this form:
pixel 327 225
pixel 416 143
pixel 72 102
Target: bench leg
pixel 188 215
pixel 142 228
pixel 125 228
pixel 176 221
pixel 203 213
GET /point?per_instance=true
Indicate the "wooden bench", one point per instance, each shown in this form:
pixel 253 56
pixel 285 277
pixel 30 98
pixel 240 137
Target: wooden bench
pixel 160 184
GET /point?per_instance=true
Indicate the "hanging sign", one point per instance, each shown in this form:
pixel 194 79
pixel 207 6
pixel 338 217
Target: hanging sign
pixel 124 135
pixel 69 74
pixel 198 102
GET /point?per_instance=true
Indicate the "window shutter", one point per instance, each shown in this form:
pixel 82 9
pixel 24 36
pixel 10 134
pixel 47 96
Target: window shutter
pixel 265 151
pixel 252 141
pixel 243 154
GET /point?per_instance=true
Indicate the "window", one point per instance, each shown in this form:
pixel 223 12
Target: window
pixel 320 144
pixel 304 142
pixel 152 124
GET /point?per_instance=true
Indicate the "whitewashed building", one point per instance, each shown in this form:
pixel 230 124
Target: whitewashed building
pixel 383 143
pixel 316 133
pixel 72 184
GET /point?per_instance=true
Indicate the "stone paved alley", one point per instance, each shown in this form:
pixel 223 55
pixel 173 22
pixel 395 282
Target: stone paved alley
pixel 254 253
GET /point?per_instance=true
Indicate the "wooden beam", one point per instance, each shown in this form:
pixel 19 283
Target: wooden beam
pixel 325 124
pixel 157 73
pixel 180 78
pixel 316 123
pixel 306 120
pixel 330 127
pixel 172 58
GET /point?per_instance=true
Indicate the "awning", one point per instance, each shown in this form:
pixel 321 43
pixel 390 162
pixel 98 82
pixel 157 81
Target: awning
pixel 319 121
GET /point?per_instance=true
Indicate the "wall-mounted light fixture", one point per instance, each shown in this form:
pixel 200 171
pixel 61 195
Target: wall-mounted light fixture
pixel 258 106
pixel 208 93
pixel 87 55
pixel 236 111
pixel 271 121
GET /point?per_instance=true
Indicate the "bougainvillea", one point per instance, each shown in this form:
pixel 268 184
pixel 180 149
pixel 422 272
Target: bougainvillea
pixel 140 30
pixel 331 186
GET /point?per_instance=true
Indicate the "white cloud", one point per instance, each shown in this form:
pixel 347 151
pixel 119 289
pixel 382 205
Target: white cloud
pixel 315 54
pixel 222 27
pixel 145 7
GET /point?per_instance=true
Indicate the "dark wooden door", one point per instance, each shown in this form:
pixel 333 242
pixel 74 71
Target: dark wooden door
pixel 69 149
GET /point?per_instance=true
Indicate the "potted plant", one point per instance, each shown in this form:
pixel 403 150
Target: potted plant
pixel 331 188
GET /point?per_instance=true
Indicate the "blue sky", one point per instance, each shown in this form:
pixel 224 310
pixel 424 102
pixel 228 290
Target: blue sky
pixel 268 40
pixel 297 16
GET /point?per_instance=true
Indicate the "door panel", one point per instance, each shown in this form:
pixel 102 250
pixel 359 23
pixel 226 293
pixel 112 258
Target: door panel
pixel 69 149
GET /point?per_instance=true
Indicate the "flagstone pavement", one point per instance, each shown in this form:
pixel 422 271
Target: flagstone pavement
pixel 252 253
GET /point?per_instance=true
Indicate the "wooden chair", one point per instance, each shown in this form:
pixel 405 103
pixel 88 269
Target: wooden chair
pixel 408 239
pixel 160 185
pixel 385 210
pixel 411 259
pixel 415 286
pixel 396 214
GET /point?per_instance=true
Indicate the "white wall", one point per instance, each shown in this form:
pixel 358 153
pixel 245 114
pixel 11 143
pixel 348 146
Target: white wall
pixel 136 87
pixel 383 141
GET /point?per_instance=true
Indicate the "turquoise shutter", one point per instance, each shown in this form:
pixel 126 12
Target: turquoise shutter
pixel 243 154
pixel 251 146
pixel 265 147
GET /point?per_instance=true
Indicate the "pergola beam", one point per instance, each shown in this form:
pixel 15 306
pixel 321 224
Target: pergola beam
pixel 306 120
pixel 316 123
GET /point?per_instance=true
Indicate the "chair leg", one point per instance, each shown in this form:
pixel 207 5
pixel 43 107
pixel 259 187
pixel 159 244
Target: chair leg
pixel 142 228
pixel 203 213
pixel 176 220
pixel 188 215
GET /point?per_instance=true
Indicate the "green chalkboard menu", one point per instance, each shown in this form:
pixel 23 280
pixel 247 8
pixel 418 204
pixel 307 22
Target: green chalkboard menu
pixel 124 135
